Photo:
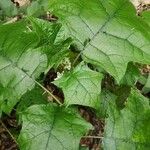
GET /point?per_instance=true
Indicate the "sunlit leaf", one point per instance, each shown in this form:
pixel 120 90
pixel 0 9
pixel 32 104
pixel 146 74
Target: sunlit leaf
pixel 128 128
pixel 81 86
pixel 20 63
pixel 108 33
pixel 49 127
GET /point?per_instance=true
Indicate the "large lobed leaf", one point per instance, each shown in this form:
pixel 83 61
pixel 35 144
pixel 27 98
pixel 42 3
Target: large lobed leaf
pixel 81 86
pixel 25 51
pixel 20 63
pixel 35 96
pixel 51 41
pixel 128 128
pixel 50 127
pixel 108 32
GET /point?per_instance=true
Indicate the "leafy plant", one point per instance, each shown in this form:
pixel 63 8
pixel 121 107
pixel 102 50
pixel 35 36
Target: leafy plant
pixel 7 9
pixel 81 86
pixel 50 122
pixel 105 42
pixel 128 128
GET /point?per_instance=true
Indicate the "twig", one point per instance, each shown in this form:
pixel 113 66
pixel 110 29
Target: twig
pixel 9 132
pixel 76 58
pixel 93 137
pixel 55 98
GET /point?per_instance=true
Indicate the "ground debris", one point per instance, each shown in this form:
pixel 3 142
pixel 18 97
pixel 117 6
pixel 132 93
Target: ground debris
pixel 98 124
pixel 6 142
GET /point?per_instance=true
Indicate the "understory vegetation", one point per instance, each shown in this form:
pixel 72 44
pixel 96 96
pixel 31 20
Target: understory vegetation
pixel 75 75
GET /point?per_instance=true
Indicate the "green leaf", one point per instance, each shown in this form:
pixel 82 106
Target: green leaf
pixel 81 86
pixel 83 148
pixel 46 31
pixel 34 9
pixel 146 16
pixel 146 88
pixel 128 128
pixel 37 8
pixel 106 98
pixel 122 94
pixel 24 57
pixel 20 63
pixel 108 32
pixel 8 8
pixel 35 96
pixel 50 127
pixel 51 41
pixel 131 76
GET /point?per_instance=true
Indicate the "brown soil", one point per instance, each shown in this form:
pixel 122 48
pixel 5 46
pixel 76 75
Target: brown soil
pixel 6 141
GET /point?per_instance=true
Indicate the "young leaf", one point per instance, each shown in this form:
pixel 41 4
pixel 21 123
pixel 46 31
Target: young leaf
pixel 20 63
pixel 51 41
pixel 130 127
pixel 81 86
pixel 109 32
pixel 50 127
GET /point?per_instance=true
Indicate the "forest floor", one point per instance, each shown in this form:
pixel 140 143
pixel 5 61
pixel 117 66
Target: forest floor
pixel 8 125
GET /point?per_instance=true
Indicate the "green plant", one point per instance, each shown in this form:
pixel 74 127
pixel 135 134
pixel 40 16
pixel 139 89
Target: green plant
pixel 7 9
pixel 111 42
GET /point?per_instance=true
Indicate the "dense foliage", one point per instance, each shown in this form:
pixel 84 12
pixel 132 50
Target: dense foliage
pixel 96 48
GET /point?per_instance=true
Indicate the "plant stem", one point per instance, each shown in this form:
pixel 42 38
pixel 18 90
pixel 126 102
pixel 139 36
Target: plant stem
pixel 55 98
pixel 9 132
pixel 76 58
pixel 93 137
